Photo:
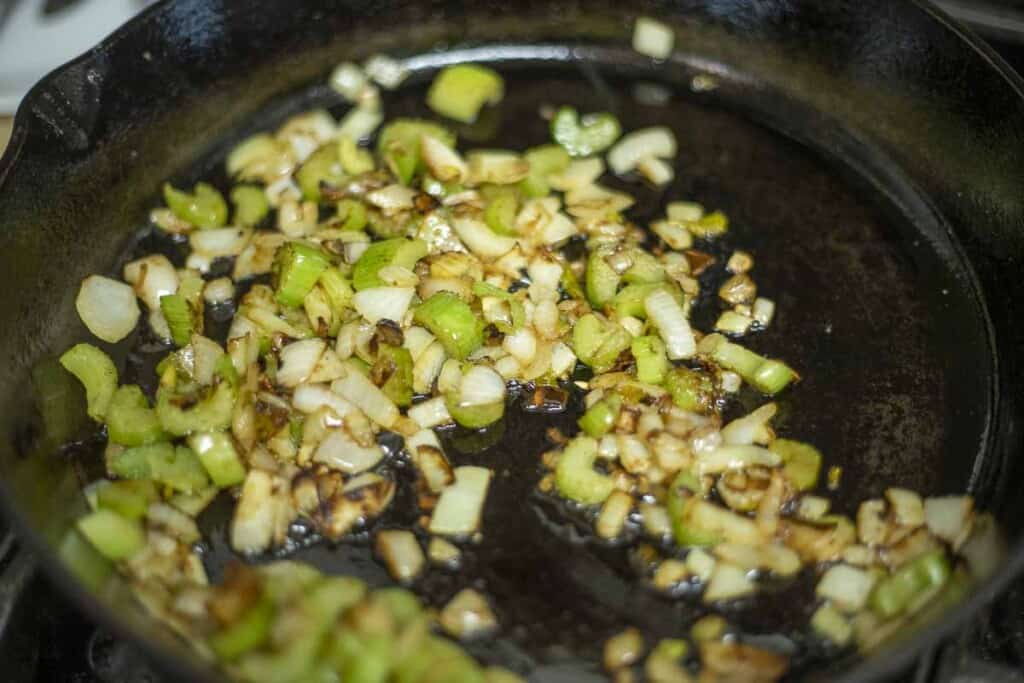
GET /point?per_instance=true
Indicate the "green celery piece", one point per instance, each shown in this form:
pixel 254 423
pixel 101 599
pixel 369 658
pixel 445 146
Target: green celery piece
pixel 96 372
pixel 130 420
pixel 179 318
pixel 212 413
pixel 651 360
pixel 571 284
pixel 601 280
pixel 396 364
pixel 352 213
pixel 691 389
pixel 403 604
pixel 398 251
pixel 338 290
pixel 598 343
pixel 680 496
pixel 354 160
pixel 114 536
pixel 599 418
pixel 134 463
pixel 372 662
pixel 544 161
pixel 453 322
pixel 710 225
pixel 645 268
pixel 581 138
pixel 575 476
pixel 359 365
pixel 629 301
pixel 772 377
pixel 766 375
pixel 482 289
pixel 251 205
pixel 249 632
pixel 83 560
pixel 216 451
pixel 460 91
pixel 162 462
pixel 59 398
pixel 475 416
pixel 322 166
pixel 204 207
pixel 501 211
pixel 296 269
pixel 438 661
pixel 399 145
pixel 891 596
pixel 130 499
pixel 802 462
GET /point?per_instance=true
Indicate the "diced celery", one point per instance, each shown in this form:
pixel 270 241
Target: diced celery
pixel 581 138
pixel 691 390
pixel 651 362
pixel 59 398
pixel 461 90
pixel 83 560
pixel 395 363
pixel 322 166
pixel 602 280
pixel 130 420
pixel 250 631
pixel 96 372
pixel 575 476
pixel 212 413
pixel 354 159
pixel 645 269
pixel 399 145
pixel 891 596
pixel 544 161
pixel 352 214
pixel 398 251
pixel 453 322
pixel 599 418
pixel 216 451
pixel 114 536
pixel 802 462
pixel 179 318
pixel 598 343
pixel 130 499
pixel 297 267
pixel 500 214
pixel 204 208
pixel 251 205
pixel 474 416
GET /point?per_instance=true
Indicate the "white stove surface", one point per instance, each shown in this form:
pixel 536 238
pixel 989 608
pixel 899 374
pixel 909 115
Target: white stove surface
pixel 32 45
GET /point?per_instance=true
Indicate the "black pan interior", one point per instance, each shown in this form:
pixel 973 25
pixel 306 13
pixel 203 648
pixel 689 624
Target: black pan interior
pixel 878 308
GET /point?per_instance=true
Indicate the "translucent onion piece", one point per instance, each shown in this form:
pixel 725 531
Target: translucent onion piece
pixel 383 303
pixel 458 509
pixel 152 277
pixel 340 451
pixel 298 361
pixel 107 307
pixel 657 142
pixel 653 38
pixel 359 390
pixel 668 317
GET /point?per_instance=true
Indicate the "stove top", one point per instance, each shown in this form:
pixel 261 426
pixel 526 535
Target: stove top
pixel 45 639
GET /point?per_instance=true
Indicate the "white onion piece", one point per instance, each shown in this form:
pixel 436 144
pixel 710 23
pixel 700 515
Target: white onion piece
pixel 431 413
pixel 501 168
pixel 383 303
pixel 546 319
pixel 458 509
pixel 348 80
pixel 219 291
pixel 200 358
pixel 545 276
pixel 252 526
pixel 107 307
pixel 281 191
pixel 847 587
pixel 655 170
pixel 341 452
pixel 751 428
pixel 563 360
pixel 427 367
pixel 467 616
pixel 700 563
pixel 726 458
pixel 309 398
pixel 416 340
pixel 949 517
pixel 444 162
pixel 673 233
pixel 220 241
pixel 386 71
pixel 775 558
pixel 298 360
pixel 580 173
pixel 728 582
pixel 658 142
pixel 353 250
pixel 394 197
pixel 522 345
pixel 906 506
pixel 481 386
pixel 258 257
pixel 668 317
pixel 152 277
pixel 613 515
pixel 158 324
pixel 443 552
pixel 450 378
pixel 653 38
pixel 328 368
pixel 359 390
pixel 401 553
pixel 763 311
pixel 480 239
pixel 557 230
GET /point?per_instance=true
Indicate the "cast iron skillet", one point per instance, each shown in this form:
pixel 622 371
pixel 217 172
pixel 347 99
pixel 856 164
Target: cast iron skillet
pixel 868 152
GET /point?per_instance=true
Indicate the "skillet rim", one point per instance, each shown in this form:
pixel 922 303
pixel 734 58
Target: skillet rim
pixel 881 666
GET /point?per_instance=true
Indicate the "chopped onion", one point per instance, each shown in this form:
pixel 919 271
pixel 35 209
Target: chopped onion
pixel 668 317
pixel 416 339
pixel 580 173
pixel 360 122
pixel 657 142
pixel 775 558
pixel 298 360
pixel 359 390
pixel 596 202
pixel 673 233
pixel 655 170
pixel 481 385
pixel 429 458
pixel 152 277
pixel 728 582
pixel 444 163
pixel 386 71
pixel 252 527
pixel 219 291
pixel 392 198
pixel 614 512
pixel 107 307
pixel 763 311
pixel 847 587
pixel 653 38
pixel 907 507
pixel 563 360
pixel 431 413
pixel 427 367
pixel 309 398
pixel 480 239
pixel 750 429
pixel 401 553
pixel 732 322
pixel 522 345
pixel 281 191
pixel 348 80
pixel 458 509
pixel 501 168
pixel 949 517
pixel 443 552
pixel 700 563
pixel 220 241
pixel 341 452
pixel 450 378
pixel 467 616
pixel 383 303
pixel 258 257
